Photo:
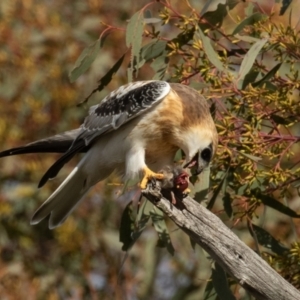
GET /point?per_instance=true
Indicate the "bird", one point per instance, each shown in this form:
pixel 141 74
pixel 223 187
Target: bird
pixel 135 131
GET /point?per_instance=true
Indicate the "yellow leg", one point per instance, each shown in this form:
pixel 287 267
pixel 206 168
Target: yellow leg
pixel 186 191
pixel 149 174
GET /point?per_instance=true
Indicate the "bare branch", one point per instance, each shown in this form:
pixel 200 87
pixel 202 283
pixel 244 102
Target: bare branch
pixel 236 258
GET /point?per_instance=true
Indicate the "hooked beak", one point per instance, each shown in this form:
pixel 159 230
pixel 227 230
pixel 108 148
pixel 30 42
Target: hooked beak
pixel 196 164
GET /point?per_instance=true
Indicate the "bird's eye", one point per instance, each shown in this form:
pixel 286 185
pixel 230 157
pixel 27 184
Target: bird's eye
pixel 206 154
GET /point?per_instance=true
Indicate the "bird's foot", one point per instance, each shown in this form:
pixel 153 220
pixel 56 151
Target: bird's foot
pixel 186 191
pixel 148 174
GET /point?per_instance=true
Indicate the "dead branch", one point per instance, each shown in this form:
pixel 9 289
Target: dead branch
pixel 235 257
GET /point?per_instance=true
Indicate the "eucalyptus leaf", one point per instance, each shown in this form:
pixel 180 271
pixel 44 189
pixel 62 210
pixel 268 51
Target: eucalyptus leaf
pixel 105 80
pixel 254 18
pixel 147 14
pixel 201 186
pixel 198 85
pixel 160 65
pixel 270 86
pixel 250 156
pixel 209 50
pixel 266 240
pixel 211 5
pixel 220 283
pixel 282 120
pixel 215 11
pixel 246 38
pixel 249 58
pixel 85 60
pixel 268 76
pixel 152 20
pixel 130 229
pixel 271 202
pixel 153 49
pixel 227 204
pixel 127 227
pixel 217 191
pixel 160 226
pixel 178 156
pixel 210 292
pixel 249 78
pixel 284 7
pixel 134 34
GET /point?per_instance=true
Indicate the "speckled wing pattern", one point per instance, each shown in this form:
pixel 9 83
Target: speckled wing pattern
pixel 121 106
pixel 115 110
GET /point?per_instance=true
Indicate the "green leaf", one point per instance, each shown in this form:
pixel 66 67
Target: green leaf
pixel 210 292
pixel 227 204
pixel 220 283
pixel 249 59
pixel 184 37
pixel 134 35
pixel 178 156
pixel 160 226
pixel 217 192
pixel 160 65
pixel 241 190
pixel 193 243
pixel 142 218
pixel 147 14
pixel 248 39
pixel 85 60
pixel 151 20
pixel 281 120
pixel 270 86
pixel 201 186
pixel 213 109
pixel 209 50
pixel 153 49
pixel 148 19
pixel 131 229
pixel 284 7
pixel 105 80
pixel 271 202
pixel 266 240
pixel 250 156
pixel 248 21
pixel 249 9
pixel 127 227
pixel 148 52
pixel 211 5
pixel 215 11
pixel 198 85
pixel 268 76
pixel 134 28
pixel 249 78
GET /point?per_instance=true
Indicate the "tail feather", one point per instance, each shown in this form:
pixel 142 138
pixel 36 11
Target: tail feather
pixel 59 143
pixel 64 200
pixel 56 167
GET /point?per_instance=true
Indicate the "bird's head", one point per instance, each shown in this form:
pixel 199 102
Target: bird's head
pixel 201 159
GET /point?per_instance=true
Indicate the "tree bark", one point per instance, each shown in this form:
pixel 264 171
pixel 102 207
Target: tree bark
pixel 235 257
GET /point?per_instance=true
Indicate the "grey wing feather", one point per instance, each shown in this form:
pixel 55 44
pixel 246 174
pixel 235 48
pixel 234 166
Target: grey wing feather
pixel 121 106
pixel 116 109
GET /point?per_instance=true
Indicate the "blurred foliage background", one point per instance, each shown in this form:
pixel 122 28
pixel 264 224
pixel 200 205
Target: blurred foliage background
pixel 40 42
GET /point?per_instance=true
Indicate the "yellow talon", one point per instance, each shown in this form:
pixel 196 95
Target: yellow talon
pixel 148 174
pixel 186 191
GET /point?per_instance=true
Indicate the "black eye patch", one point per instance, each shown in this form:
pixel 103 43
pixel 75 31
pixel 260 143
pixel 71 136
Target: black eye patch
pixel 206 154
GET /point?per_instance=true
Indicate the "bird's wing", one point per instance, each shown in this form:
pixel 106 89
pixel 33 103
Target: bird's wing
pixel 115 110
pixel 121 106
